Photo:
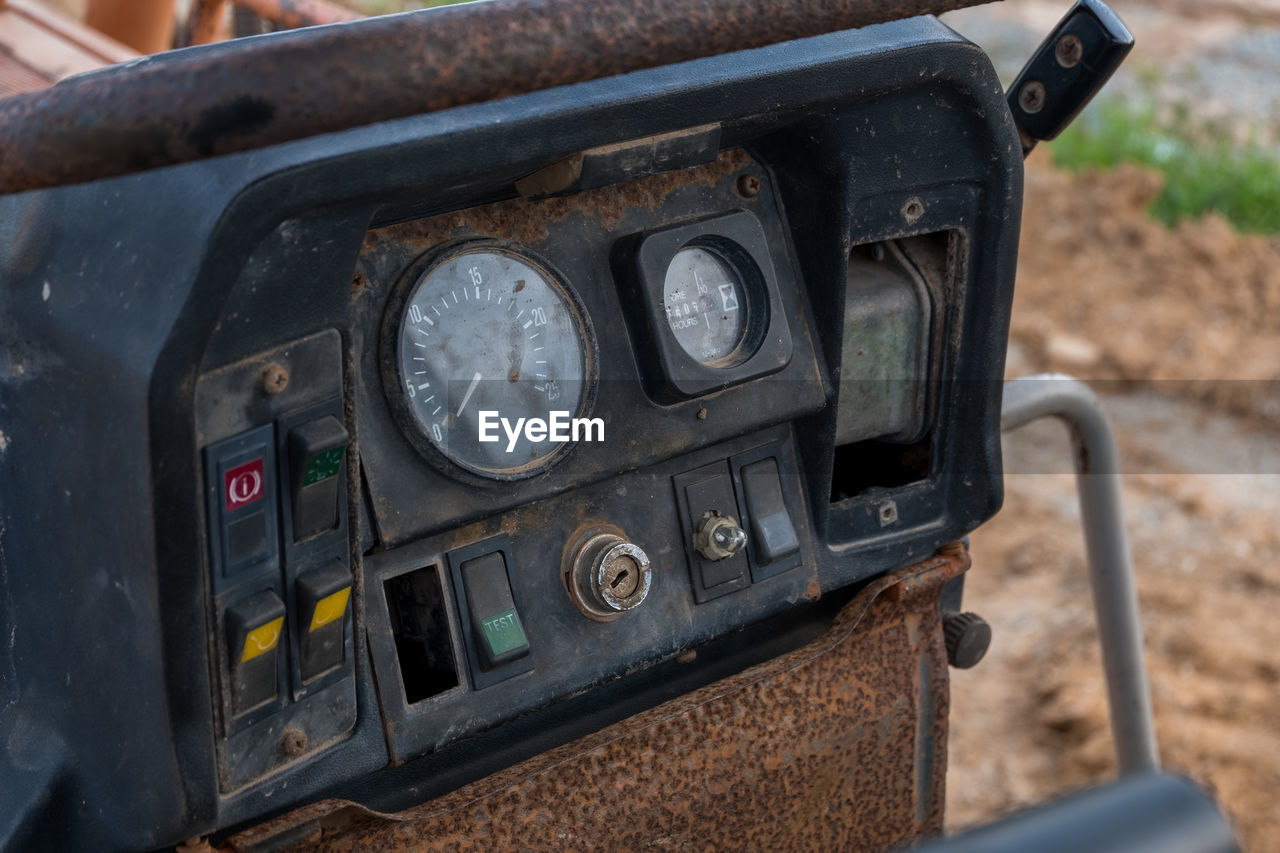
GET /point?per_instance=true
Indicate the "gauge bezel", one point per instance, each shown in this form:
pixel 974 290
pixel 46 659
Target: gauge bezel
pixel 670 373
pixel 393 321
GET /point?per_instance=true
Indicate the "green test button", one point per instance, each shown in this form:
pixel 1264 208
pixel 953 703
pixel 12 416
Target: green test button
pixel 499 635
pixel 504 633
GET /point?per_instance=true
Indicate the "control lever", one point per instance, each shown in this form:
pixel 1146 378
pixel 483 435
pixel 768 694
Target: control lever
pixel 1067 70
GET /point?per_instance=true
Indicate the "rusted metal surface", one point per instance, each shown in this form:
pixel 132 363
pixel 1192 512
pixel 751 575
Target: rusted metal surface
pixel 525 220
pixel 248 94
pixel 840 745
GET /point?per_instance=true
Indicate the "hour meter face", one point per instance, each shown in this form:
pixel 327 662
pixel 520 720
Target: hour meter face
pixel 706 307
pixel 492 330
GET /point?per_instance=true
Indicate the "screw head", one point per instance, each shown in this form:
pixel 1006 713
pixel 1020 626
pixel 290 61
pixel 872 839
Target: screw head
pixel 293 742
pixel 1069 50
pixel 274 378
pixel 748 186
pixel 1032 96
pixel 912 211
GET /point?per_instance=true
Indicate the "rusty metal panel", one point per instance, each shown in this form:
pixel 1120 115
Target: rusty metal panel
pixel 839 745
pixel 247 94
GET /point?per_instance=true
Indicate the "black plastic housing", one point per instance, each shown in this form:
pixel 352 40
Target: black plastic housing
pixel 120 297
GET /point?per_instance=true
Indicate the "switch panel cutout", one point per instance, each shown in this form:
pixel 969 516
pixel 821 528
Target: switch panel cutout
pixel 420 627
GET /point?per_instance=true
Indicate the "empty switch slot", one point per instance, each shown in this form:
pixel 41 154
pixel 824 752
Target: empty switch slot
pixel 420 625
pixel 877 464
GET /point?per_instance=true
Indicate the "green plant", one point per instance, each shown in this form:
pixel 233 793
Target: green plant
pixel 1203 168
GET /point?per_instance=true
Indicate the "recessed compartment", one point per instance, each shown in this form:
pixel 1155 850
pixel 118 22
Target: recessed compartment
pixel 420 626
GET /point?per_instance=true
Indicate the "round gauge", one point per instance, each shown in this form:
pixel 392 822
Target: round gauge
pixel 708 308
pixel 490 343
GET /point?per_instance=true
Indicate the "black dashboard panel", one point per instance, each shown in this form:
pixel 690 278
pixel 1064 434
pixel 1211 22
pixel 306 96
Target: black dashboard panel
pixel 295 599
pixel 576 234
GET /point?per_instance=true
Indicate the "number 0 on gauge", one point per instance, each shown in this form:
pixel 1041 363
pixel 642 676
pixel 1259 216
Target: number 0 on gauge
pixel 491 329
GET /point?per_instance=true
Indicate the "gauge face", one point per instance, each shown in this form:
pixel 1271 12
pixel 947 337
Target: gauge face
pixel 489 337
pixel 705 306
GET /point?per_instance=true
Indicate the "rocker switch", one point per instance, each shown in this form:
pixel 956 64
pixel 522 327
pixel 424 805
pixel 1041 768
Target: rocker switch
pixel 495 624
pixel 773 536
pixel 317 450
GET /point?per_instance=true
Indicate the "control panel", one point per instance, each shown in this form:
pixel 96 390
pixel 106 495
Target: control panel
pixel 437 444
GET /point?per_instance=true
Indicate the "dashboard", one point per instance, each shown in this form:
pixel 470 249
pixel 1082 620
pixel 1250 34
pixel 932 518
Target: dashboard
pixel 436 444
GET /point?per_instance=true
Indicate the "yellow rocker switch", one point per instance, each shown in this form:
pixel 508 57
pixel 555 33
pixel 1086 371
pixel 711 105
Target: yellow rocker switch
pixel 322 596
pixel 254 625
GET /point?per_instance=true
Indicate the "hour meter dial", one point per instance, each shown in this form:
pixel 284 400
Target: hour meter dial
pixel 706 307
pixel 492 338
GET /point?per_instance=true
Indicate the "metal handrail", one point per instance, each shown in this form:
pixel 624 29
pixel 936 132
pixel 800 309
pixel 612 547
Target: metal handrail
pixel 1115 597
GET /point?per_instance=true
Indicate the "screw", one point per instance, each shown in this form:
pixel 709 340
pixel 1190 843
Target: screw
pixel 702 414
pixel 1032 97
pixel 888 513
pixel 968 636
pixel 1069 51
pixel 293 742
pixel 913 210
pixel 748 186
pixel 274 378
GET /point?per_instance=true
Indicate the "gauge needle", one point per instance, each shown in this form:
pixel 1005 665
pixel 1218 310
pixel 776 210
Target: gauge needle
pixel 475 380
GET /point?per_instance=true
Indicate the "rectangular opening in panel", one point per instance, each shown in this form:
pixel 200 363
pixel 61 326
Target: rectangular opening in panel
pixel 877 464
pixel 894 299
pixel 420 625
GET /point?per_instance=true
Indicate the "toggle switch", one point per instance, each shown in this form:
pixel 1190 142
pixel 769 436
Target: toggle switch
pixel 323 596
pixel 317 450
pixel 714 541
pixel 253 626
pixel 495 623
pixel 773 536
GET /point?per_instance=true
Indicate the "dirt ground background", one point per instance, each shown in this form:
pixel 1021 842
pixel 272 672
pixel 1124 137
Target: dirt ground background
pixel 1181 329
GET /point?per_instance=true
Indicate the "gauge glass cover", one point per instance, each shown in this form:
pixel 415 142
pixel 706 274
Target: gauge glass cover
pixel 488 330
pixel 705 306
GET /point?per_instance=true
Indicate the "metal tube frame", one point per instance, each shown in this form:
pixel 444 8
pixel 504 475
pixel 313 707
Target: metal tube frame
pixel 1115 598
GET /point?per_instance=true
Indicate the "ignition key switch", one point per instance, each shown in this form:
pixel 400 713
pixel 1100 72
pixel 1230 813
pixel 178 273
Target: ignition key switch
pixel 607 575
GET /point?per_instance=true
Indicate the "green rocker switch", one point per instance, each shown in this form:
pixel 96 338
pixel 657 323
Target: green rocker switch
pixel 317 450
pixel 499 636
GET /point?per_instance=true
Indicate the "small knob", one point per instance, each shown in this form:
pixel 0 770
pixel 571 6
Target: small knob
pixel 719 537
pixel 967 637
pixel 609 576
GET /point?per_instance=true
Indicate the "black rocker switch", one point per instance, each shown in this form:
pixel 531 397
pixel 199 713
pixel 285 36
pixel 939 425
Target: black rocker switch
pixel 317 450
pixel 773 536
pixel 495 624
